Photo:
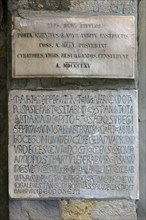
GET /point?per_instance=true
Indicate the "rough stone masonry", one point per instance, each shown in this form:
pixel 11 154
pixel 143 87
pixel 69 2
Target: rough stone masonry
pixel 70 209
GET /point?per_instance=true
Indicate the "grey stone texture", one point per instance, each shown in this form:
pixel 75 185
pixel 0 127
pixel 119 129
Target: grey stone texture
pixel 114 210
pixel 105 6
pixel 34 210
pixel 100 6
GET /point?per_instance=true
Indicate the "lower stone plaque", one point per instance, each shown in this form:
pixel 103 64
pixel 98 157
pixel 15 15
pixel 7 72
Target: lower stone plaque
pixel 73 144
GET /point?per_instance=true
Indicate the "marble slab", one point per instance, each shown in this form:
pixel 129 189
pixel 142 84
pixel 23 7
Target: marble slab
pixel 73 144
pixel 73 46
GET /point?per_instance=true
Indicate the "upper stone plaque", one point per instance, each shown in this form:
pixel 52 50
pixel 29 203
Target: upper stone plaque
pixel 73 46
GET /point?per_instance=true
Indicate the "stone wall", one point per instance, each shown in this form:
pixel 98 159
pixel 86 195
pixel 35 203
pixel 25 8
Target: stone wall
pixel 3 113
pixel 142 108
pixel 69 209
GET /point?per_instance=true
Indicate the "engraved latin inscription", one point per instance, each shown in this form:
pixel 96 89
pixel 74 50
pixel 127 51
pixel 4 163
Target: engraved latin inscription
pixel 102 46
pixel 73 144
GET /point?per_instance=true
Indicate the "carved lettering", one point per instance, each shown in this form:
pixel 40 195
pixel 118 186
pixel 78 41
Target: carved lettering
pixel 74 46
pixel 73 143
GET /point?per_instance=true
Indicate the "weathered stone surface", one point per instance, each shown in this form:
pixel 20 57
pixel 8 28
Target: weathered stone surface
pixel 34 210
pixel 73 46
pixel 142 109
pixel 94 210
pixel 73 143
pixel 77 209
pixel 106 6
pixel 99 6
pixel 115 210
pixel 39 4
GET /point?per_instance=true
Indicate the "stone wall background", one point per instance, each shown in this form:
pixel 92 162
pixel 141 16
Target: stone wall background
pixel 3 113
pixel 69 209
pixel 142 108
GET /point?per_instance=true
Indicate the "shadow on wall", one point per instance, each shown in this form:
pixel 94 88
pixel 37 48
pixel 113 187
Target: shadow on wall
pixel 3 114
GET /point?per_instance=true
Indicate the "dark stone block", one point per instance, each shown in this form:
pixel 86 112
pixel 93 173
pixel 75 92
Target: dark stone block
pixel 33 210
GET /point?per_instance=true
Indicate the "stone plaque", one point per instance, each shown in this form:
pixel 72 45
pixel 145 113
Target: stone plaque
pixel 73 46
pixel 81 144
